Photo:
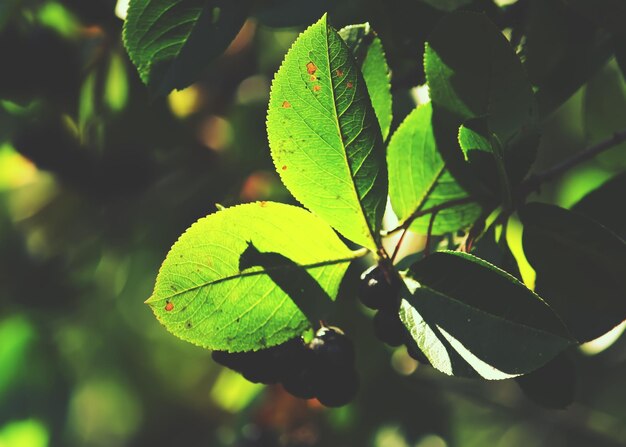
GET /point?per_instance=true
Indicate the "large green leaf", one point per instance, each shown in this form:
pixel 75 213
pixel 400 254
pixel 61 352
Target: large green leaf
pixel 215 290
pixel 171 41
pixel 604 205
pixel 472 319
pixel 418 178
pixel 370 56
pixel 324 136
pixel 473 72
pixel 580 268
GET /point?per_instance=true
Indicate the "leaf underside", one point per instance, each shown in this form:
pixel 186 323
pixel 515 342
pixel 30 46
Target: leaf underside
pixel 459 302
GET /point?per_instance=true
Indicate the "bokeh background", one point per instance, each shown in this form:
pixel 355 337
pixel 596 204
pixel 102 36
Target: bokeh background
pixel 97 180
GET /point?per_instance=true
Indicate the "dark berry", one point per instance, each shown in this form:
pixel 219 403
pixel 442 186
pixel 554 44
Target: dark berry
pixel 331 347
pixel 388 328
pixel 301 384
pixel 375 291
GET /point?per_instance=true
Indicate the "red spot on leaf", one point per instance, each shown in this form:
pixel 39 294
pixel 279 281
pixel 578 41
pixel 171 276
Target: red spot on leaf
pixel 284 168
pixel 169 306
pixel 313 78
pixel 349 85
pixel 311 68
pixel 316 88
pixel 286 105
pixel 339 72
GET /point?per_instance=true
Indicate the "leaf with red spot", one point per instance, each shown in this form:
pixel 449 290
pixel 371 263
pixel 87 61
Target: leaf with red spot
pixel 329 137
pixel 215 290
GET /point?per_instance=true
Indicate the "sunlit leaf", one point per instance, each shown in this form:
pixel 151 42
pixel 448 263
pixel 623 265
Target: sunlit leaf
pixel 214 291
pixel 324 136
pixel 171 41
pixel 370 56
pixel 472 319
pixel 418 178
pixel 580 268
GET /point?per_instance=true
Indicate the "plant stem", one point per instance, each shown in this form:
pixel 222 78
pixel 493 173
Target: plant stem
pixel 535 181
pixel 435 209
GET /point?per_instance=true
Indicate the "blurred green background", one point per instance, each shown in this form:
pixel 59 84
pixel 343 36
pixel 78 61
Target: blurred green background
pixel 97 180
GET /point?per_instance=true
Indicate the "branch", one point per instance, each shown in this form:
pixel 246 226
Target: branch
pixel 535 181
pixel 435 209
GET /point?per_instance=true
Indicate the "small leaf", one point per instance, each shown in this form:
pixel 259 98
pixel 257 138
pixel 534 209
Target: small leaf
pixel 370 56
pixel 418 178
pixel 171 41
pixel 580 268
pixel 484 152
pixel 602 205
pixel 472 319
pixel 223 284
pixel 324 136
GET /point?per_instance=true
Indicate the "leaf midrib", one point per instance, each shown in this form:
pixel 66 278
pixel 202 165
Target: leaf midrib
pixel 256 271
pixel 341 137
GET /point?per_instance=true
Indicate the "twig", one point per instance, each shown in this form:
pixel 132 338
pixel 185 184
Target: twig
pixel 429 233
pixel 535 181
pixel 435 209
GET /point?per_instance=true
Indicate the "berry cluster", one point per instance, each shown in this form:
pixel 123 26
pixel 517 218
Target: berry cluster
pixel 382 293
pixel 323 368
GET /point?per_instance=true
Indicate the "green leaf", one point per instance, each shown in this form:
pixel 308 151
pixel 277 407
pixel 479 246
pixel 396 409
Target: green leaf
pixel 171 41
pixel 418 178
pixel 472 319
pixel 580 268
pixel 602 205
pixel 370 56
pixel 483 150
pixel 324 136
pixel 214 291
pixel 472 71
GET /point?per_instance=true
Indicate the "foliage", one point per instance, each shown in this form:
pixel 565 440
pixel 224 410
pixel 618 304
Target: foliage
pixel 328 115
pixel 458 162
